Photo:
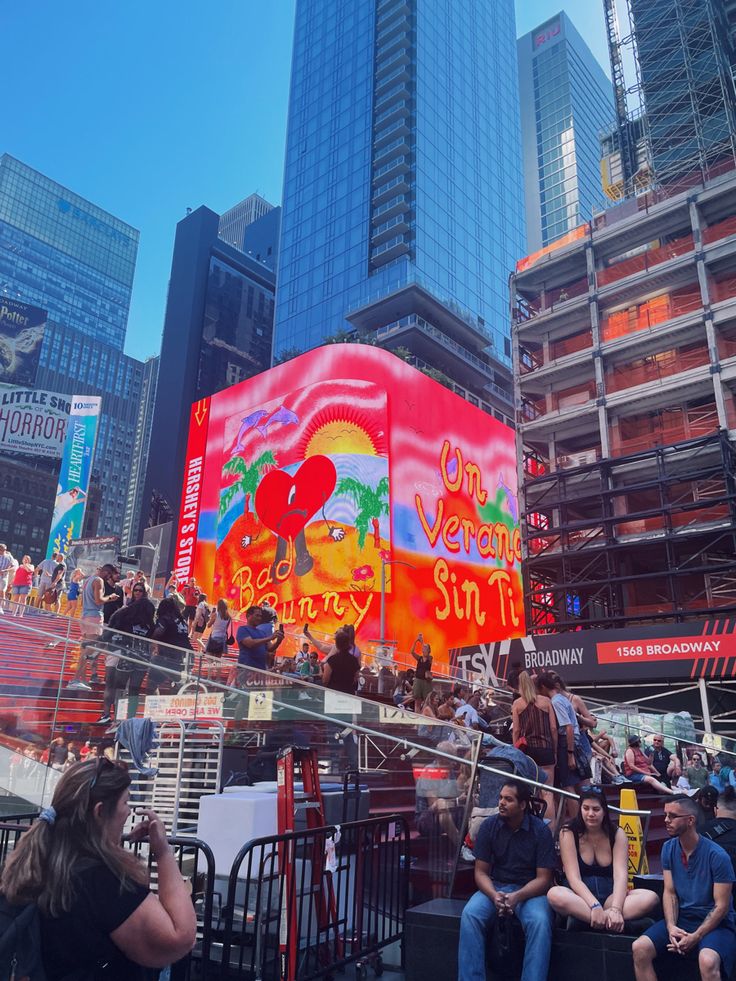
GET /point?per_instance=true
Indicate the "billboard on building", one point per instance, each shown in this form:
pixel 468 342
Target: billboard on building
pixel 21 335
pixel 650 653
pixel 33 422
pixel 306 483
pixel 89 554
pixel 75 473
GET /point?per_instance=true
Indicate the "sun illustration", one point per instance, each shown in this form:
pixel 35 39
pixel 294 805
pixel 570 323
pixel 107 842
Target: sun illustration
pixel 343 430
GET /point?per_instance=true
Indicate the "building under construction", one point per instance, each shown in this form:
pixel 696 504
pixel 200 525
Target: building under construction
pixel 625 348
pixel 672 65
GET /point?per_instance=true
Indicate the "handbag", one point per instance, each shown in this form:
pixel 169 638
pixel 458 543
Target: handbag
pixel 230 639
pixel 506 946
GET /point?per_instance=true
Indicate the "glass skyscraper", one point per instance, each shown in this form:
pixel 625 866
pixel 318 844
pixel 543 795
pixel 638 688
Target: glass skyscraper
pixel 403 206
pixel 64 254
pixel 566 104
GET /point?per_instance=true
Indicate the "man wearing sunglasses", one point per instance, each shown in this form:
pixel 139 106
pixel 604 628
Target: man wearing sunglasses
pixel 698 910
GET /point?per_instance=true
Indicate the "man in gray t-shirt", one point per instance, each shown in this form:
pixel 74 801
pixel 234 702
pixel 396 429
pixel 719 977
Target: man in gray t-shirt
pixel 7 563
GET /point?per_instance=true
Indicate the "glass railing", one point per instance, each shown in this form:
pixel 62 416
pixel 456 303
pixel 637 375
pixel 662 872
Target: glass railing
pixel 220 727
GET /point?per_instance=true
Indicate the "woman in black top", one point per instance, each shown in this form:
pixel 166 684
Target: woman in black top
pixel 172 631
pixel 340 670
pixel 99 919
pixel 594 857
pixel 136 619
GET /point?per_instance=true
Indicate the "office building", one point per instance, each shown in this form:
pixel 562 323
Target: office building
pixel 235 220
pixel 261 238
pixel 64 254
pixel 566 102
pixel 135 505
pixel 74 364
pixel 682 53
pixel 625 355
pixel 403 205
pixel 217 332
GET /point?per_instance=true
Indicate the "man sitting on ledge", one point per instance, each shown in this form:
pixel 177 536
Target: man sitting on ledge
pixel 514 860
pixel 698 911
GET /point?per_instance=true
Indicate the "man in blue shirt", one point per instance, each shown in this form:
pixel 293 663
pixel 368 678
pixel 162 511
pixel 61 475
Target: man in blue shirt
pixel 514 860
pixel 256 639
pixel 698 911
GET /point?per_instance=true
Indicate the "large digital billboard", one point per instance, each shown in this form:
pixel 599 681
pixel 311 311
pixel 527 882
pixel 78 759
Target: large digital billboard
pixel 306 483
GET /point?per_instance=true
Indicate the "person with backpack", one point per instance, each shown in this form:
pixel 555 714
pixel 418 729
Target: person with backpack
pixel 75 903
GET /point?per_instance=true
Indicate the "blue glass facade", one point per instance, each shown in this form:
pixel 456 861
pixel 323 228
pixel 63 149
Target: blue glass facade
pixel 566 104
pixel 402 175
pixel 63 253
pixel 686 64
pixel 75 364
pixel 71 258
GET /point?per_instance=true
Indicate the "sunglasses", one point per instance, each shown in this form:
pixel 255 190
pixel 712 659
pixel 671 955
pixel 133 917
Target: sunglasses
pixel 103 762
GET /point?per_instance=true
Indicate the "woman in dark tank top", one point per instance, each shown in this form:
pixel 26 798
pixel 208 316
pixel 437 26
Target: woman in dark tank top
pixel 594 857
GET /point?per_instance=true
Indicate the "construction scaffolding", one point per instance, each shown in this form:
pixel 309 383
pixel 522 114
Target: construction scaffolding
pixel 672 64
pixel 640 538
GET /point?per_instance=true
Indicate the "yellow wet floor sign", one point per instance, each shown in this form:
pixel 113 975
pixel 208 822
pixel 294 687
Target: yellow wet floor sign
pixel 631 824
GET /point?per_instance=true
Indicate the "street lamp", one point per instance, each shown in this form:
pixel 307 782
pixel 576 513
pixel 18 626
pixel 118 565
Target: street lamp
pixel 154 561
pixel 384 563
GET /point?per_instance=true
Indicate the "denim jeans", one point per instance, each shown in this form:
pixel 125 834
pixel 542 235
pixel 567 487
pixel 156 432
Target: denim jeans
pixel 535 916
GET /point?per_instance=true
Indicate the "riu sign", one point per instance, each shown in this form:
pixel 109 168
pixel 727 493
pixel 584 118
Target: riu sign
pixel 303 483
pixel 547 33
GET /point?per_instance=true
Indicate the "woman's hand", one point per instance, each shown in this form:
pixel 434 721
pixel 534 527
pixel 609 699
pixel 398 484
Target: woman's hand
pixel 598 918
pixel 615 920
pixel 152 829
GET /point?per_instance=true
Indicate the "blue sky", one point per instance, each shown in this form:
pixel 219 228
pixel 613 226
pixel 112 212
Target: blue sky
pixel 151 106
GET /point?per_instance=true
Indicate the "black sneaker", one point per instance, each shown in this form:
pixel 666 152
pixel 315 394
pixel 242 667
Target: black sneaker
pixel 103 720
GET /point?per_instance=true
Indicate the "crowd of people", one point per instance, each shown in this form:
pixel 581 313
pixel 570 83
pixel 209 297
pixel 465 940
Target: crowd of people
pixel 518 873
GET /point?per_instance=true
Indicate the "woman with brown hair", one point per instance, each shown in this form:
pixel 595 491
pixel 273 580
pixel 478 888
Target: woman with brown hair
pixel 534 727
pixel 92 895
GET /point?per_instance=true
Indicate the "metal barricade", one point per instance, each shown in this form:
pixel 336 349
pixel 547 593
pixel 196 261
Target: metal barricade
pixel 10 832
pixel 197 865
pixel 347 912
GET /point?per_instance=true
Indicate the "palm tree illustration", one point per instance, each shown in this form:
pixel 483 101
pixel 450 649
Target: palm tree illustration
pixel 370 504
pixel 249 476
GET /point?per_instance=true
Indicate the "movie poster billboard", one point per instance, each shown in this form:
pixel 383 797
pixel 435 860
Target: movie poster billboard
pixel 75 473
pixel 650 653
pixel 33 422
pixel 21 336
pixel 306 483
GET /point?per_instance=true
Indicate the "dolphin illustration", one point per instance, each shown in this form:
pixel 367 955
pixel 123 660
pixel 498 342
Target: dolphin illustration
pixel 249 422
pixel 283 415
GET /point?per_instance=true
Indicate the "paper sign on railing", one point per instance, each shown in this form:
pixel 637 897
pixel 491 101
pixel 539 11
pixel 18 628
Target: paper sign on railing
pixel 205 705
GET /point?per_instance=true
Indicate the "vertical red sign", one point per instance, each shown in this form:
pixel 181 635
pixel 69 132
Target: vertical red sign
pixel 186 539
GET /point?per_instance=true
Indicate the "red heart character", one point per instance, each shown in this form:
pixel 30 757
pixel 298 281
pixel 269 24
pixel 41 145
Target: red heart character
pixel 285 502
